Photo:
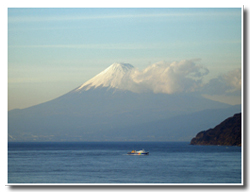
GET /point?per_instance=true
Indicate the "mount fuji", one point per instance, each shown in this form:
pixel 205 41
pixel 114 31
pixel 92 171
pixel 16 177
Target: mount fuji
pixel 115 76
pixel 113 106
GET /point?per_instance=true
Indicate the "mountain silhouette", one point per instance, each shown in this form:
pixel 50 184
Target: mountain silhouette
pixel 108 107
pixel 227 132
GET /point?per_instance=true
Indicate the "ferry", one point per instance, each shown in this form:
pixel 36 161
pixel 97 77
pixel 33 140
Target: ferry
pixel 140 152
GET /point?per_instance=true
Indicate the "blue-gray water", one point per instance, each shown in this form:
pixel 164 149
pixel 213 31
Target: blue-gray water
pixel 108 162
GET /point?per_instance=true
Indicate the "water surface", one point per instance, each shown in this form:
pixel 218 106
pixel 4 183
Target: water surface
pixel 108 162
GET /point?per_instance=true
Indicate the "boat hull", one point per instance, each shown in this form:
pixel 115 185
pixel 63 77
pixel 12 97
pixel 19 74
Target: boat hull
pixel 146 153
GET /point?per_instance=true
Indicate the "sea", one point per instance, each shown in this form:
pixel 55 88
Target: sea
pixel 109 163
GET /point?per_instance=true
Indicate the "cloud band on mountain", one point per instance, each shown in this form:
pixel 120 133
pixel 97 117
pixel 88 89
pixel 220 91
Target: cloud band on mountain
pixel 176 77
pixel 225 84
pixel 184 76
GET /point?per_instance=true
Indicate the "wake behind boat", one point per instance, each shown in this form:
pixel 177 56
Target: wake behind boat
pixel 140 152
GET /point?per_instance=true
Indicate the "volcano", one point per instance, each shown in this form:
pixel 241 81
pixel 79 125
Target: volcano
pixel 112 107
pixel 115 76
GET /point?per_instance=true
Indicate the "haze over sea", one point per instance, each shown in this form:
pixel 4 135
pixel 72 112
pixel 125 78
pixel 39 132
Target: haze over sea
pixel 108 162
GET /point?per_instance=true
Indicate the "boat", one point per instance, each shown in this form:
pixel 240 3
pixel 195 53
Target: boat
pixel 140 152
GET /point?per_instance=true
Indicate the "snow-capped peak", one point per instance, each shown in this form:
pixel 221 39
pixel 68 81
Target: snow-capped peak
pixel 116 75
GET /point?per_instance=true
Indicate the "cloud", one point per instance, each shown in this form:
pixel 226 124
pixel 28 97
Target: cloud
pixel 226 84
pixel 176 77
pixel 185 76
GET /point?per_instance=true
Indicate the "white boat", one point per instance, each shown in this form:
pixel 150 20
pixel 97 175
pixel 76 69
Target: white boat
pixel 140 152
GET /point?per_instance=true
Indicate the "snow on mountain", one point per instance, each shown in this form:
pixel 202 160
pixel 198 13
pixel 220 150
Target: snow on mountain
pixel 118 75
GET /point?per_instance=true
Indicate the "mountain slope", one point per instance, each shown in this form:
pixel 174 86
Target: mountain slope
pixel 102 105
pixel 178 128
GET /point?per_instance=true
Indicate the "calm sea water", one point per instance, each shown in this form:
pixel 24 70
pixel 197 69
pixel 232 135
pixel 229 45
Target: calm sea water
pixel 108 162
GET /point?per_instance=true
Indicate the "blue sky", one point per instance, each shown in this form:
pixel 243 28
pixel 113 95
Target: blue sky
pixel 52 51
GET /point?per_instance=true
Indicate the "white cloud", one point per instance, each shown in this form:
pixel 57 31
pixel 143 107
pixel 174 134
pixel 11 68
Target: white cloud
pixel 185 77
pixel 176 77
pixel 233 80
pixel 226 84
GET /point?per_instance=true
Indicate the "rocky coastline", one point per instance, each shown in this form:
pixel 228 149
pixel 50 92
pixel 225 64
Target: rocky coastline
pixel 227 132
